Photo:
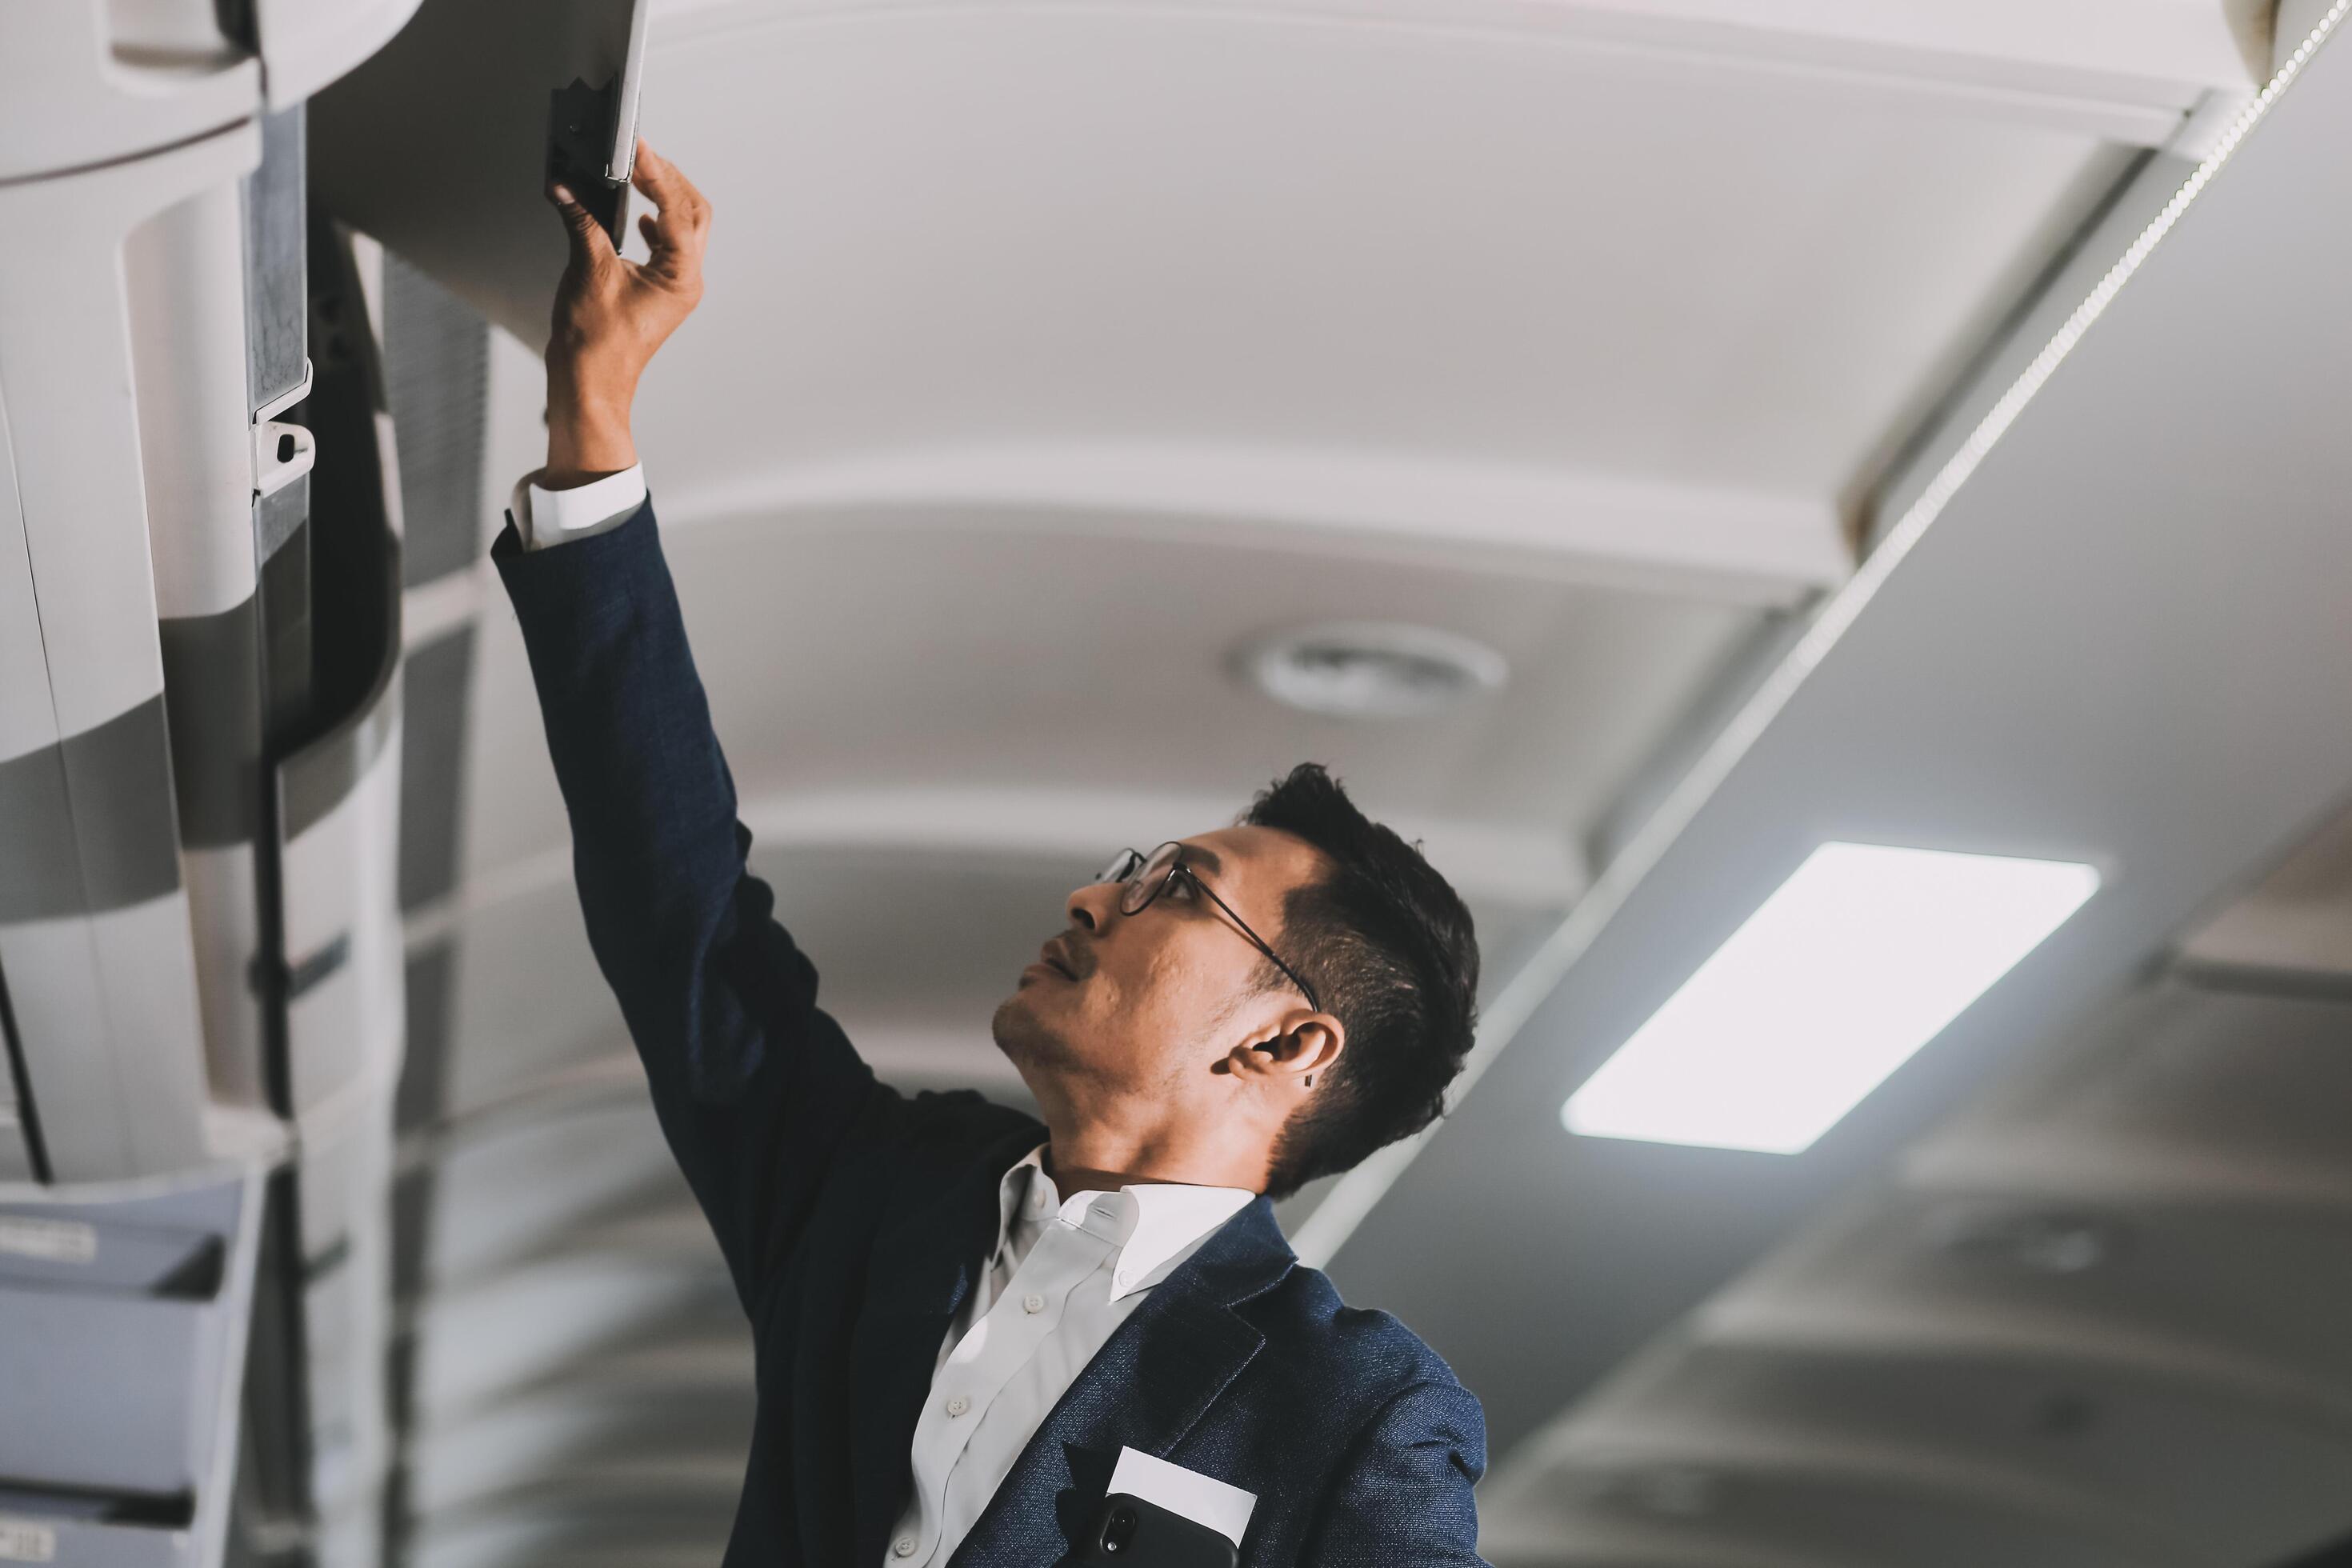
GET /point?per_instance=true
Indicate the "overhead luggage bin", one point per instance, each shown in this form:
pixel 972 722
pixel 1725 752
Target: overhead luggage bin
pixel 337 785
pixel 126 1322
pixel 95 936
pixel 89 82
pixel 457 188
pixel 306 44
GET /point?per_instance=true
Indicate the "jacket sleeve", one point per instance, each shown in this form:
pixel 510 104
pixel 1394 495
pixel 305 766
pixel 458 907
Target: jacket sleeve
pixel 1403 1492
pixel 756 1088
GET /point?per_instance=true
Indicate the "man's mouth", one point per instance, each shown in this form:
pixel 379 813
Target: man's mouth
pixel 1054 956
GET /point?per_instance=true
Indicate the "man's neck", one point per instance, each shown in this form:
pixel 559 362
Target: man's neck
pixel 1080 1163
pixel 1072 1179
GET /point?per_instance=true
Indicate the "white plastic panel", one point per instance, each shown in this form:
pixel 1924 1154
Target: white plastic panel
pixel 106 1019
pixel 306 44
pixel 147 970
pixel 111 1389
pixel 183 281
pixel 224 923
pixel 100 960
pixel 345 1029
pixel 66 376
pixel 87 82
pixel 344 1177
pixel 28 723
pixel 125 1322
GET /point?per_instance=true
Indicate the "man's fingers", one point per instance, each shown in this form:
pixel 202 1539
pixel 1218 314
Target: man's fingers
pixel 591 246
pixel 675 240
pixel 686 208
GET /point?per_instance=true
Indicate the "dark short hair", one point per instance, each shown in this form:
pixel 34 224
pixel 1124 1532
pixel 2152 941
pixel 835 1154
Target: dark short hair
pixel 1390 949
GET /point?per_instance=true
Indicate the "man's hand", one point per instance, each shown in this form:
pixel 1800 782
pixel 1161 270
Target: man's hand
pixel 612 314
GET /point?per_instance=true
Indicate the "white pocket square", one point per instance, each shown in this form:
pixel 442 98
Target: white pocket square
pixel 1203 1501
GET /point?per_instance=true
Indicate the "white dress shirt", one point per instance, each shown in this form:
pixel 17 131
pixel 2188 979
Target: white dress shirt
pixel 545 517
pixel 1064 1275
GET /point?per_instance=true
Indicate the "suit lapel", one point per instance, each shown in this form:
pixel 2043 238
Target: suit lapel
pixel 1148 1386
pixel 926 1260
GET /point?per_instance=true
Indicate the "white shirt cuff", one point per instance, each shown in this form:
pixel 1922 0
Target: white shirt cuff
pixel 545 517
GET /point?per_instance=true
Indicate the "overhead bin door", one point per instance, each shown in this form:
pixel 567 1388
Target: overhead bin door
pixel 440 146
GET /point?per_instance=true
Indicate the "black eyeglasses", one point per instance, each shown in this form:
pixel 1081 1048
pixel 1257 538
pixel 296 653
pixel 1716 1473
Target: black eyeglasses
pixel 1148 876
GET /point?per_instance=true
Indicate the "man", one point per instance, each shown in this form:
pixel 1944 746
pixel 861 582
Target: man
pixel 964 1317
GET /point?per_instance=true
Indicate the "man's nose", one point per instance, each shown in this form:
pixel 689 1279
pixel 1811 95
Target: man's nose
pixel 1092 906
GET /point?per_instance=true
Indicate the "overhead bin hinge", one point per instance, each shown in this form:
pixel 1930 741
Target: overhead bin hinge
pixel 282 452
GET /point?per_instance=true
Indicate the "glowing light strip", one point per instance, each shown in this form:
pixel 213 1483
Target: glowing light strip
pixel 1866 953
pixel 1355 1194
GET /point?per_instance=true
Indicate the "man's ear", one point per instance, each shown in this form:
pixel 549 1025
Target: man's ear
pixel 1298 1051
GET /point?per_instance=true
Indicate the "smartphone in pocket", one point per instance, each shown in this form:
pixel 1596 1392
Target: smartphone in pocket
pixel 1126 1530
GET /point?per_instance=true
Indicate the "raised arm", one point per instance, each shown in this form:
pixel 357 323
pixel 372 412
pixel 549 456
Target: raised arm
pixel 755 1087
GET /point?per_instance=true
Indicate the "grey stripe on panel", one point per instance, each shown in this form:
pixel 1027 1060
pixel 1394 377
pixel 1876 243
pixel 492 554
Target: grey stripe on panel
pixel 318 777
pixel 412 1227
pixel 436 380
pixel 87 825
pixel 438 676
pixel 212 697
pixel 278 514
pixel 23 1110
pixel 277 282
pixel 314 780
pixel 40 875
pixel 432 1000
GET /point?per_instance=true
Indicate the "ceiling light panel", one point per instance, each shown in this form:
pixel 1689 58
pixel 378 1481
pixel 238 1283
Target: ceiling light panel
pixel 1860 958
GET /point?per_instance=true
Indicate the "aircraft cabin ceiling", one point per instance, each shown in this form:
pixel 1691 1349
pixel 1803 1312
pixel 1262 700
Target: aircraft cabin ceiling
pixel 1056 360
pixel 1633 443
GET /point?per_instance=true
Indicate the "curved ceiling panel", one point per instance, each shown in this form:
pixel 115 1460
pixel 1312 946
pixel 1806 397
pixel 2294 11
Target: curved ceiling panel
pixel 1274 232
pixel 1003 676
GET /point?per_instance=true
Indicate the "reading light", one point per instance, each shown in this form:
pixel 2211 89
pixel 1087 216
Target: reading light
pixel 1855 962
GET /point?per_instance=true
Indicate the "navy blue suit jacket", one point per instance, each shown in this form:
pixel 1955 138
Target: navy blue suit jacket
pixel 855 1219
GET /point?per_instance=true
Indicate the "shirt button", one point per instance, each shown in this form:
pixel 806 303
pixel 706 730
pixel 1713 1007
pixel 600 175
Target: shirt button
pixel 904 1546
pixel 1032 1303
pixel 959 1405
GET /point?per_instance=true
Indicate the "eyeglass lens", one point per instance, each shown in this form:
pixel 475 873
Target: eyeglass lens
pixel 1142 875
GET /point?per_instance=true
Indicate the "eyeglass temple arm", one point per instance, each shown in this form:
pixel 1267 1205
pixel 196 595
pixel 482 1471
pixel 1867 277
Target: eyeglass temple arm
pixel 1255 940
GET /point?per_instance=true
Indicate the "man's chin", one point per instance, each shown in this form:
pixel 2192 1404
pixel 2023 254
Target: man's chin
pixel 1023 1036
pixel 1014 1027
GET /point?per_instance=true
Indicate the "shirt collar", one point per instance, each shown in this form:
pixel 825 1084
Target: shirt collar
pixel 1154 1225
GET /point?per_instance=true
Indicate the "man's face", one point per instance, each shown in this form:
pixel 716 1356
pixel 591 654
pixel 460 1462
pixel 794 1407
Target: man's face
pixel 1149 1005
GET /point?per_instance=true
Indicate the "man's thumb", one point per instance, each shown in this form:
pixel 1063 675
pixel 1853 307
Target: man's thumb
pixel 591 246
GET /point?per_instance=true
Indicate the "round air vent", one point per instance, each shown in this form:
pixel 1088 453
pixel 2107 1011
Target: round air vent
pixel 1373 670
